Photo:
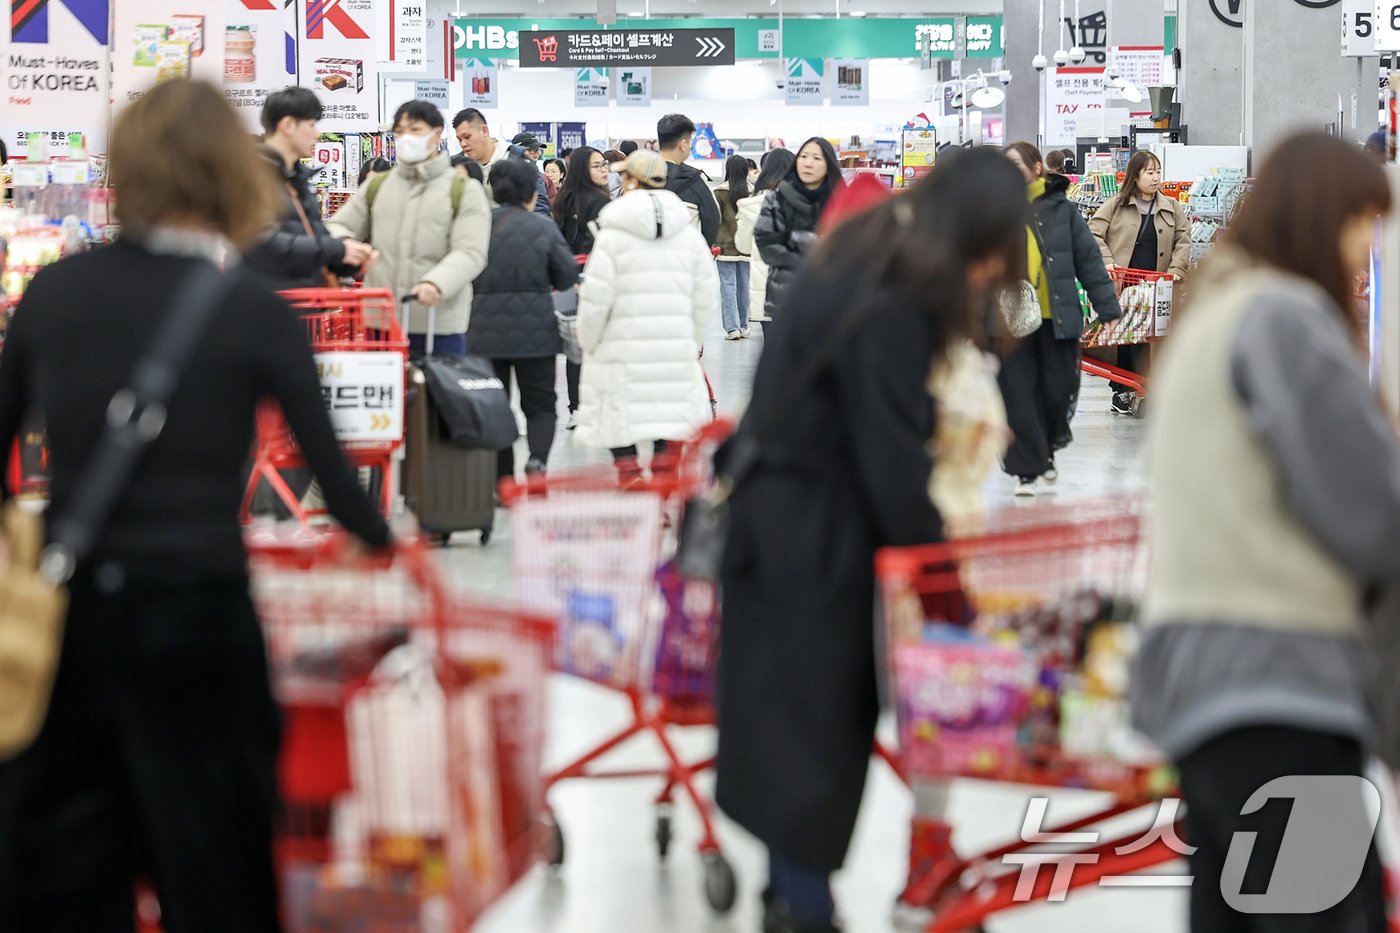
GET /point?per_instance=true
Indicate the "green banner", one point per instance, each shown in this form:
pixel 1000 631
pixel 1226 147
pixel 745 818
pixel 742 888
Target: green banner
pixel 847 37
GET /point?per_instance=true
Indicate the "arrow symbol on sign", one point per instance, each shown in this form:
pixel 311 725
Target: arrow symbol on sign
pixel 710 48
pixel 379 422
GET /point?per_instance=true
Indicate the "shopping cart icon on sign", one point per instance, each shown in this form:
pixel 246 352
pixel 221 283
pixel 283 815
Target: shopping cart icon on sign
pixel 549 48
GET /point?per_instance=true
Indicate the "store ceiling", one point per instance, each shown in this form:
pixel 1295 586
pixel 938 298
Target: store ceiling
pixel 728 8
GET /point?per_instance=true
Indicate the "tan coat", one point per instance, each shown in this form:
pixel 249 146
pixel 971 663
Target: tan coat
pixel 419 239
pixel 1115 229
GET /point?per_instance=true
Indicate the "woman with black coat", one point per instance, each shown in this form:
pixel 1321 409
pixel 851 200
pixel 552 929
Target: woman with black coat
pixel 158 754
pixel 581 199
pixel 512 322
pixel 1040 378
pixel 786 232
pixel 841 470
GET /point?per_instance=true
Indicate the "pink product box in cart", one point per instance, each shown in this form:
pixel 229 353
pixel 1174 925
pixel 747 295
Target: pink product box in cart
pixel 960 705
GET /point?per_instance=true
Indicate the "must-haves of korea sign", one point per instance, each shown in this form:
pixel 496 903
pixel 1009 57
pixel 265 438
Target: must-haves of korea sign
pixel 844 38
pixel 598 48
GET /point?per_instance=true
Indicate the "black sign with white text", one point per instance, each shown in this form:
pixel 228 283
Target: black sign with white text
pixel 604 48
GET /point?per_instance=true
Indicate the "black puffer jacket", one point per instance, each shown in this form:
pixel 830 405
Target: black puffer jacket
pixel 512 310
pixel 289 257
pixel 1070 252
pixel 785 233
pixel 687 182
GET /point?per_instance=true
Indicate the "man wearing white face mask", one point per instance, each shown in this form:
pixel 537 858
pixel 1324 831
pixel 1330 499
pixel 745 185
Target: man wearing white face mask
pixel 431 226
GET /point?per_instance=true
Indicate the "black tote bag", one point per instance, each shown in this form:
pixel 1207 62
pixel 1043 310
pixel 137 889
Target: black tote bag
pixel 471 401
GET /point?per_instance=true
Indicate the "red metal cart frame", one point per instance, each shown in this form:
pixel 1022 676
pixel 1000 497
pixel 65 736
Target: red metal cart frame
pixel 337 320
pixel 1026 562
pixel 605 587
pixel 1137 326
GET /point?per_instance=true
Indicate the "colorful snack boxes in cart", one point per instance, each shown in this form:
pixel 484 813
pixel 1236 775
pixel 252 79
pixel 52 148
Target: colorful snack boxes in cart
pixel 961 701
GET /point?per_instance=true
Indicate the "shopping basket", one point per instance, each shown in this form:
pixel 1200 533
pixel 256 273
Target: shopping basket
pixel 1146 299
pixel 413 743
pixel 1008 657
pixel 591 551
pixel 361 352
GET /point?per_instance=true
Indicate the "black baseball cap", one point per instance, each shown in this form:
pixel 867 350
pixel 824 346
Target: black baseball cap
pixel 526 141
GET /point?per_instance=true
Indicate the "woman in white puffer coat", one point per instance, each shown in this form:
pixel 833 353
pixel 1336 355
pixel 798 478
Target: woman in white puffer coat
pixel 776 164
pixel 649 289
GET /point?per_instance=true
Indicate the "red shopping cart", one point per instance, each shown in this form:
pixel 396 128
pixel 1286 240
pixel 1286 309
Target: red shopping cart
pixel 590 551
pixel 1146 299
pixel 1008 655
pixel 413 739
pixel 361 353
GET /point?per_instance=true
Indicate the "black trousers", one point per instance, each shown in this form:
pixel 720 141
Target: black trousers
pixel 158 758
pixel 1133 358
pixel 539 401
pixel 1039 383
pixel 1216 781
pixel 572 373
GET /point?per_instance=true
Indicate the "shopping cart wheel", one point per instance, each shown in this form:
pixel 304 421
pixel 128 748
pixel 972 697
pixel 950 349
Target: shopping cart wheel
pixel 663 830
pixel 486 536
pixel 721 888
pixel 442 539
pixel 553 840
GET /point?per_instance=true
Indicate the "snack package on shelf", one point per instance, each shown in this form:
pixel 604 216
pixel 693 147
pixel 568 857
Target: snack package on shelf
pixel 26 252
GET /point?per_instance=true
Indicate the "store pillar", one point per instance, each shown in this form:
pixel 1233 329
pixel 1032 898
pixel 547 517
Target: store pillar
pixel 1133 22
pixel 1294 75
pixel 1211 80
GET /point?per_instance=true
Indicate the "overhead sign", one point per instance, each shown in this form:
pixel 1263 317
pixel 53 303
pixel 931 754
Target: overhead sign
pixel 1359 28
pixel 1142 66
pixel 338 62
pixel 482 80
pixel 634 87
pixel 850 82
pixel 156 40
pixel 1387 26
pixel 600 48
pixel 591 87
pixel 363 392
pixel 55 70
pixel 402 29
pixel 259 55
pixel 1074 106
pixel 867 37
pixel 805 82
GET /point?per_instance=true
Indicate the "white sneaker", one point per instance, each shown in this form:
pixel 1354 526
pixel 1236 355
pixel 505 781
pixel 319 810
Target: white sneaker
pixel 1051 476
pixel 1025 489
pixel 734 335
pixel 743 333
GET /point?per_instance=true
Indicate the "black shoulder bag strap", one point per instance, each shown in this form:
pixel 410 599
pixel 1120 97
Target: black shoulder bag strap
pixel 135 418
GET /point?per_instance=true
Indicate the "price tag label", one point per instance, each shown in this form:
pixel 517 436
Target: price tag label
pixel 1387 25
pixel 30 174
pixel 70 172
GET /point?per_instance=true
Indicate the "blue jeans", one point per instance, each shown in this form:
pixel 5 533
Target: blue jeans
pixel 734 294
pixel 447 344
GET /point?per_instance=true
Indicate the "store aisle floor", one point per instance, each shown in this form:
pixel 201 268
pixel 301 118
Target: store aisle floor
pixel 613 881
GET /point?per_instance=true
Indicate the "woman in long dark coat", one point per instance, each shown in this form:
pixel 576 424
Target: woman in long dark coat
pixel 841 471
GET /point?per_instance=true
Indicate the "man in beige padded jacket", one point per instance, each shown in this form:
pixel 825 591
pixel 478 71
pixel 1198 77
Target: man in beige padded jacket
pixel 431 227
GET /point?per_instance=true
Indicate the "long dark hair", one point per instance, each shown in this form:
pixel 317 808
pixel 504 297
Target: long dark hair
pixel 776 165
pixel 1294 224
pixel 736 172
pixel 578 181
pixel 971 207
pixel 1141 161
pixel 833 178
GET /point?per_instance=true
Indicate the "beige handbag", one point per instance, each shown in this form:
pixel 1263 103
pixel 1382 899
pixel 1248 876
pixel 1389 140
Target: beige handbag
pixel 32 610
pixel 33 577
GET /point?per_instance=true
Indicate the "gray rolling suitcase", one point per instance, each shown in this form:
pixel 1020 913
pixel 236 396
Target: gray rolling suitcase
pixel 448 488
